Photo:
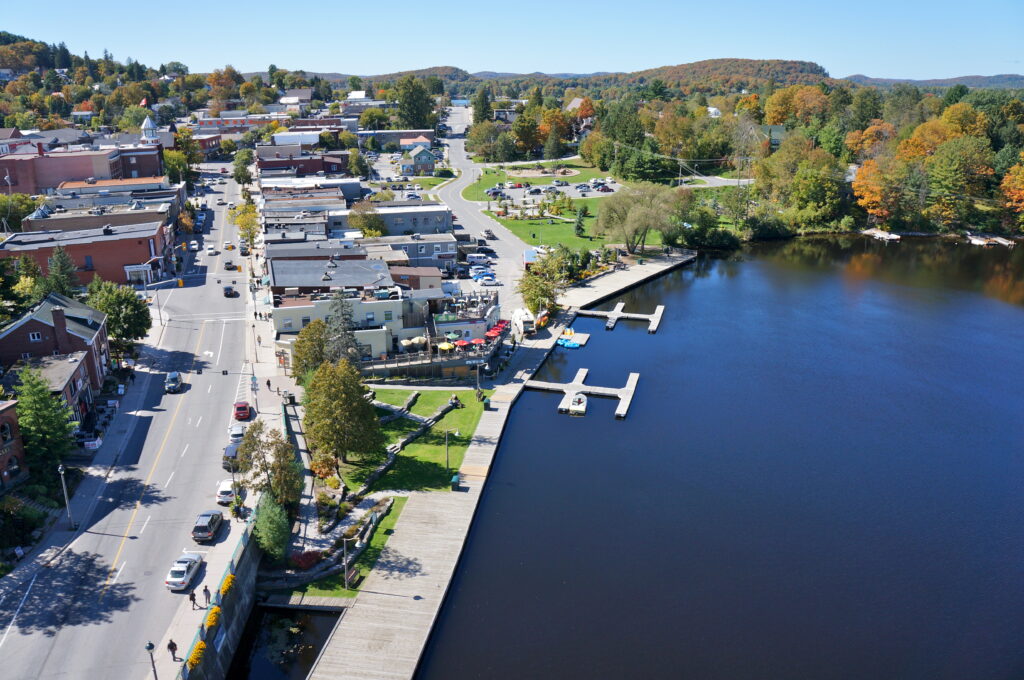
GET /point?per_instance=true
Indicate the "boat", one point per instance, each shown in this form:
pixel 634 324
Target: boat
pixel 578 404
pixel 568 344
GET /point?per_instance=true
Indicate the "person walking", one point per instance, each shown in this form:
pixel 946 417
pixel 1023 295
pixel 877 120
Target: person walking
pixel 206 594
pixel 255 315
pixel 192 599
pixel 172 647
pixel 268 384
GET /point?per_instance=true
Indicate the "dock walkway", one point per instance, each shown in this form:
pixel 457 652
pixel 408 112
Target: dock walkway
pixel 613 316
pixel 623 394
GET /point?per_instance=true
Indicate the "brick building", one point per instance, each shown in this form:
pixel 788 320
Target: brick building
pixel 130 253
pixel 59 325
pixel 13 469
pixel 66 376
pixel 40 171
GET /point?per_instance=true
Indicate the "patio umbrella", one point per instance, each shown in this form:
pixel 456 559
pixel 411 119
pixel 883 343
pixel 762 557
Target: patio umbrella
pixel 492 333
pixel 405 343
pixel 461 343
pixel 478 341
pixel 420 340
pixel 446 346
pixel 453 335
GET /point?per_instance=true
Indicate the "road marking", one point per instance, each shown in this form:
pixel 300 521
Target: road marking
pixel 220 347
pixel 169 480
pixel 149 476
pixel 199 421
pixel 118 575
pixel 144 525
pixel 209 389
pixel 184 450
pixel 18 610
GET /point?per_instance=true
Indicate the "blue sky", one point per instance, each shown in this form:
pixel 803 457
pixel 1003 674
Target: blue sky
pixel 896 38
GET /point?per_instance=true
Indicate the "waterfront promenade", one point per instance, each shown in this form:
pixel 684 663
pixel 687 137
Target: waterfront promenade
pixel 383 634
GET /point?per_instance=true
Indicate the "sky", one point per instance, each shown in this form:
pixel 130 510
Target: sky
pixel 891 39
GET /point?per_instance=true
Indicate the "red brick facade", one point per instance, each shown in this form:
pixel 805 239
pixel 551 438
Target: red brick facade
pixel 34 173
pixel 12 450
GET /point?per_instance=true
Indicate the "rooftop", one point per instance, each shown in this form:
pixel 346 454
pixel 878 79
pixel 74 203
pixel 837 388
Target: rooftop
pixel 329 274
pixel 82 320
pixel 126 181
pixel 57 370
pixel 49 239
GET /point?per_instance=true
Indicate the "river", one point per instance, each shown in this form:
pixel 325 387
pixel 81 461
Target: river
pixel 820 477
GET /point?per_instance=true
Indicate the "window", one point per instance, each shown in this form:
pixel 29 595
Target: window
pixel 388 316
pixel 437 248
pixel 132 160
pixel 88 261
pixel 422 250
pixel 369 317
pixel 26 355
pixel 405 248
pixel 5 432
pixel 305 321
pixel 35 336
pixel 287 324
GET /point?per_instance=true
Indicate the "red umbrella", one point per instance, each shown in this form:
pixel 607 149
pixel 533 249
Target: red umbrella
pixel 461 343
pixel 478 341
pixel 492 334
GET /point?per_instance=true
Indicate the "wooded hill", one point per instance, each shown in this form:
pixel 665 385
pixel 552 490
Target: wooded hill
pixel 1002 81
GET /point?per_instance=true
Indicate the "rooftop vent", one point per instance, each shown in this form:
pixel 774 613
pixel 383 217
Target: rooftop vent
pixel 325 277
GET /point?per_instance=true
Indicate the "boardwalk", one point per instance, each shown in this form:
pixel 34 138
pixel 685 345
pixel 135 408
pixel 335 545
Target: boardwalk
pixel 623 394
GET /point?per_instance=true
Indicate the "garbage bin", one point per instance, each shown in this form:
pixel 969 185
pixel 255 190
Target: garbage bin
pixel 487 403
pixel 455 482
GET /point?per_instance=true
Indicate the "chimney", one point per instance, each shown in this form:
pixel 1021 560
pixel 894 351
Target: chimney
pixel 60 331
pixel 39 149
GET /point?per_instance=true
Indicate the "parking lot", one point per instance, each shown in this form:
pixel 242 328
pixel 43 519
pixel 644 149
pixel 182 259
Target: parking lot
pixel 532 193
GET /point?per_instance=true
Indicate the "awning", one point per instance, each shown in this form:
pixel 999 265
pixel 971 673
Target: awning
pixel 266 280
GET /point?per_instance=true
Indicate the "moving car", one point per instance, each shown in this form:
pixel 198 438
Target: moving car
pixel 221 201
pixel 211 249
pixel 490 281
pixel 241 410
pixel 229 291
pixel 194 246
pixel 207 525
pixel 223 171
pixel 229 265
pixel 172 383
pixel 226 492
pixel 228 245
pixel 489 234
pixel 183 571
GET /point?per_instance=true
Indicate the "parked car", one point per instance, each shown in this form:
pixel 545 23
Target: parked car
pixel 582 187
pixel 552 190
pixel 236 432
pixel 413 197
pixel 483 275
pixel 241 410
pixel 223 171
pixel 206 526
pixel 243 249
pixel 229 291
pixel 417 187
pixel 488 251
pixel 535 191
pixel 604 189
pixel 489 281
pixel 560 183
pixel 225 492
pixel 193 246
pixel 172 383
pixel 229 265
pixel 183 571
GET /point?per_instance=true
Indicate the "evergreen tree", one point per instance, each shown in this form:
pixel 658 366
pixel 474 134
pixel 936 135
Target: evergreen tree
pixel 339 420
pixel 481 105
pixel 578 226
pixel 414 104
pixel 272 528
pixel 45 425
pixel 341 337
pixel 536 99
pixel 310 349
pixel 553 145
pixel 62 277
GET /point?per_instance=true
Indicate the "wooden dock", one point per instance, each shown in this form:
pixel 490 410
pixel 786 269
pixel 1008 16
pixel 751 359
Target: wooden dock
pixel 623 394
pixel 881 235
pixel 613 316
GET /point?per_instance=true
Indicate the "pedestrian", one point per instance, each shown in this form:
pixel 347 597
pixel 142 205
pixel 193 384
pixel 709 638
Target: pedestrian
pixel 206 594
pixel 131 377
pixel 192 599
pixel 255 315
pixel 173 649
pixel 259 339
pixel 268 383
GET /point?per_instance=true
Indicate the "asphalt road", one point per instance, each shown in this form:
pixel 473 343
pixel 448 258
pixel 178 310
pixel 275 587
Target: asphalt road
pixel 90 614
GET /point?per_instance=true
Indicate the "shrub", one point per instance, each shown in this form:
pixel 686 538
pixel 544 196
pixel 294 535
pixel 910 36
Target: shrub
pixel 305 560
pixel 351 531
pixel 196 657
pixel 213 617
pixel 333 482
pixel 324 500
pixel 227 584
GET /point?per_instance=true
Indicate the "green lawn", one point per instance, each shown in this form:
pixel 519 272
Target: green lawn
pixel 491 176
pixel 421 465
pixel 539 232
pixel 354 474
pixel 334 586
pixel 427 403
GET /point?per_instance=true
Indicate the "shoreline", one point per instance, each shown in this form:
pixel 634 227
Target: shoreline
pixel 385 631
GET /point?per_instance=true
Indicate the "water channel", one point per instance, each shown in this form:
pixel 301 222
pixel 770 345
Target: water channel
pixel 820 477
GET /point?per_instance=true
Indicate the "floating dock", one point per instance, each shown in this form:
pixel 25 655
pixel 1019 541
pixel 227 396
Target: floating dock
pixel 623 394
pixel 653 320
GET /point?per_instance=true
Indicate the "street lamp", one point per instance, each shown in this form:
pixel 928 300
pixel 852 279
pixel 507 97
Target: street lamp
pixel 447 467
pixel 145 286
pixel 149 648
pixel 67 503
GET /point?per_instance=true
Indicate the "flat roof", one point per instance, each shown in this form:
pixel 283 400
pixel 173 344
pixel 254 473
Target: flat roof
pixel 37 240
pixel 81 184
pixel 330 274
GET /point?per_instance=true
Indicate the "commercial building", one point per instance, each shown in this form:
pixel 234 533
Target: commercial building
pixel 40 171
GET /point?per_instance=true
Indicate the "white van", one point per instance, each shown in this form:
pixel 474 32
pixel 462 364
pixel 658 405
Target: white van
pixel 477 258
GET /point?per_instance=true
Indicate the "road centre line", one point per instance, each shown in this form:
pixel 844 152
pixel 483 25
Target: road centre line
pixel 220 347
pixel 149 477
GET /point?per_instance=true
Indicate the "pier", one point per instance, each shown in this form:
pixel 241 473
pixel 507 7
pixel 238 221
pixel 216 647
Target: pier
pixel 623 394
pixel 881 235
pixel 653 320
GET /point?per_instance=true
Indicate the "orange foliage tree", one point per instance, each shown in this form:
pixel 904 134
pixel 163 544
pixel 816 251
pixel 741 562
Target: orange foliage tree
pixel 1012 188
pixel 870 141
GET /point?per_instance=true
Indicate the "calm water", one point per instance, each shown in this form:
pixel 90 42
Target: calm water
pixel 281 644
pixel 820 477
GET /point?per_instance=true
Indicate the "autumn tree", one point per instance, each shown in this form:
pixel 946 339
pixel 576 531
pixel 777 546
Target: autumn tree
pixel 797 102
pixel 870 141
pixel 340 422
pixel 246 218
pixel 267 458
pixel 630 214
pixel 365 218
pixel 1012 188
pixel 310 349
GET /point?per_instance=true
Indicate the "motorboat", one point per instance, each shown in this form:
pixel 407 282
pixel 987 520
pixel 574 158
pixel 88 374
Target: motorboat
pixel 578 404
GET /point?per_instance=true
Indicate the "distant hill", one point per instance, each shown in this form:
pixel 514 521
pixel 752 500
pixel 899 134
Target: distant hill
pixel 733 74
pixel 494 75
pixel 444 72
pixel 1003 81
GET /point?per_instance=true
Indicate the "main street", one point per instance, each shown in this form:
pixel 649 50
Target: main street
pixel 89 614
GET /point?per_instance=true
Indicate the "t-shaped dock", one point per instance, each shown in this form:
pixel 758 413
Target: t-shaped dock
pixel 653 320
pixel 623 394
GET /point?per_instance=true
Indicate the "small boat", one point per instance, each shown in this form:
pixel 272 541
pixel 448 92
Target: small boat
pixel 578 404
pixel 568 344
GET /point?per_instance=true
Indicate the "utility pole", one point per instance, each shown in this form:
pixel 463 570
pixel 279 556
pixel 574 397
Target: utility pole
pixel 67 503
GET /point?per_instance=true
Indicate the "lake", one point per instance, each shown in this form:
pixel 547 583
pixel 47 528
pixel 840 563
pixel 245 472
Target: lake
pixel 820 477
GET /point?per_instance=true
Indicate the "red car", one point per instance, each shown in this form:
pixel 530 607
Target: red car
pixel 241 410
pixel 603 189
pixel 223 171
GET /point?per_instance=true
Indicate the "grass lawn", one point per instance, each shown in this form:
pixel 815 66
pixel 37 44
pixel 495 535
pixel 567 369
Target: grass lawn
pixel 421 465
pixel 334 586
pixel 428 402
pixel 491 176
pixel 539 232
pixel 354 474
